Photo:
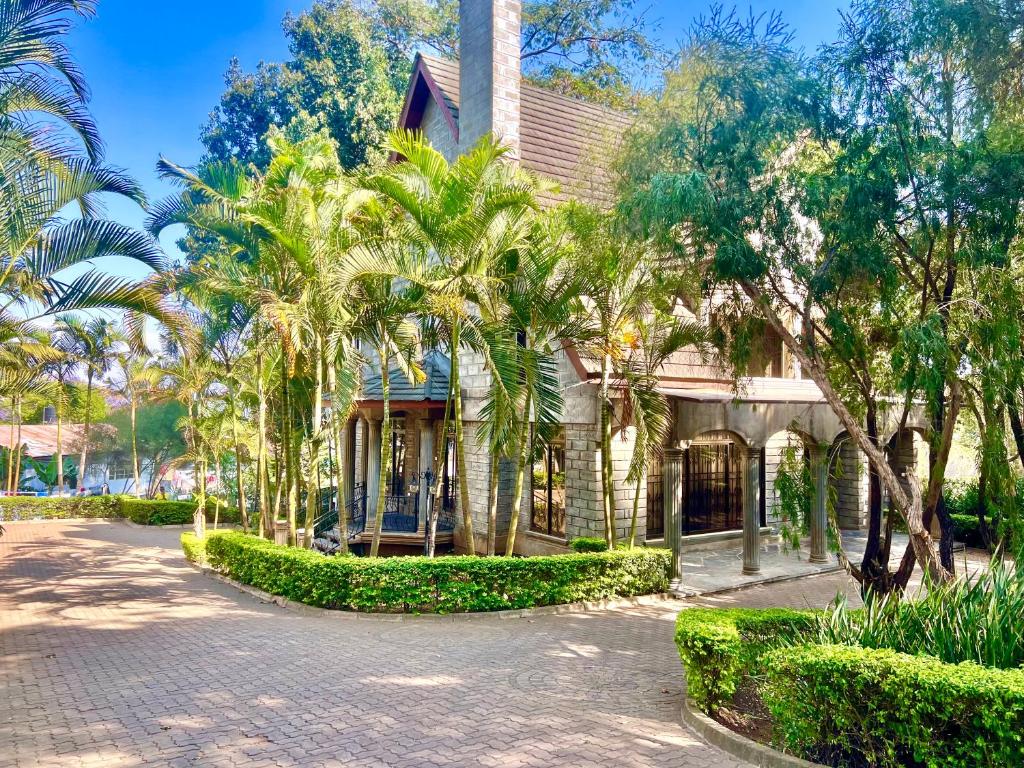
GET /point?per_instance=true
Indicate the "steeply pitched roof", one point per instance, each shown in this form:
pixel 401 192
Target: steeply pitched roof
pixel 561 138
pixel 434 388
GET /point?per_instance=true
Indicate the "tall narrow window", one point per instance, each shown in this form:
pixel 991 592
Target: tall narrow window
pixel 548 505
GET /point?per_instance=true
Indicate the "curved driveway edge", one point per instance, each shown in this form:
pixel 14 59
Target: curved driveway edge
pixel 514 613
pixel 739 746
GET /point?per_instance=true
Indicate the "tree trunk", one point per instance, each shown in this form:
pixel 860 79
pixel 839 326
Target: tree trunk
pixel 18 453
pixel 607 478
pixel 521 462
pixel 441 460
pixel 135 447
pixel 60 443
pixel 385 453
pixel 492 503
pixel 460 447
pixel 633 524
pixel 315 428
pixel 339 471
pixel 262 454
pixel 88 423
pixel 1016 426
pixel 921 541
pixel 10 453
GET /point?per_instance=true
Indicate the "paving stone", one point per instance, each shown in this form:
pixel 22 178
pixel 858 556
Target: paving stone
pixel 114 652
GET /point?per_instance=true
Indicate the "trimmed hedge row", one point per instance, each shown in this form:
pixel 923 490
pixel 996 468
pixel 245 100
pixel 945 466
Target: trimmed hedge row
pixel 846 705
pixel 720 646
pixel 141 511
pixel 430 585
pixel 58 508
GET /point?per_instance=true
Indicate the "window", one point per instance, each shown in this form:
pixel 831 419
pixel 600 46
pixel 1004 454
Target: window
pixel 396 484
pixel 547 511
pixel 655 500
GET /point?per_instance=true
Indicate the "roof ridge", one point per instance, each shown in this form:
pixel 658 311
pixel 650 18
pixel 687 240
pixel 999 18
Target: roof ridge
pixel 528 85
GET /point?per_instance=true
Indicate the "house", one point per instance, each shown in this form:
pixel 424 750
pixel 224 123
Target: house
pixel 39 442
pixel 715 480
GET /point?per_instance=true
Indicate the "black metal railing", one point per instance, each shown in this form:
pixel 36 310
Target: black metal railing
pixel 357 511
pixel 401 514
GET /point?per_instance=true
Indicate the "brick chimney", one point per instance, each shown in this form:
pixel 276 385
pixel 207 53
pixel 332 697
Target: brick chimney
pixel 489 75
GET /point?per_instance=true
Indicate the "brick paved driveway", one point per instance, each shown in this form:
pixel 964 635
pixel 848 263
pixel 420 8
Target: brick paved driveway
pixel 114 653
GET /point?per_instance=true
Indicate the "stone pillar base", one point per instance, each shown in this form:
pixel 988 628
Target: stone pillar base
pixel 281 532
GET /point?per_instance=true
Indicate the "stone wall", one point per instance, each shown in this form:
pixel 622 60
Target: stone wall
pixel 774 453
pixel 850 481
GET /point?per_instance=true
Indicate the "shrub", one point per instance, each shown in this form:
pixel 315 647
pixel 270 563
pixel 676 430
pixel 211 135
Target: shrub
pixel 141 511
pixel 194 548
pixel 719 646
pixel 160 512
pixel 589 544
pixel 845 705
pixel 432 585
pixel 980 619
pixel 58 508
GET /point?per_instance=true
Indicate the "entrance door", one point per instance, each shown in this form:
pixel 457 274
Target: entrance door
pixel 712 493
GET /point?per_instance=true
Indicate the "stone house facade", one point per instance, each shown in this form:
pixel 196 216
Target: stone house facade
pixel 715 480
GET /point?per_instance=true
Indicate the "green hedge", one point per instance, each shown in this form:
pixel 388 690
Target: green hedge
pixel 141 511
pixel 589 544
pixel 846 705
pixel 58 508
pixel 719 646
pixel 430 585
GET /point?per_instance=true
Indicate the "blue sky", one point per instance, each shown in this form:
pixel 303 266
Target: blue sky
pixel 156 70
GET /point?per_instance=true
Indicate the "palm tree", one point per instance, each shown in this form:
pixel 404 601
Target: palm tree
pixel 94 343
pixel 137 378
pixel 459 219
pixel 659 335
pixel 618 295
pixel 384 324
pixel 541 300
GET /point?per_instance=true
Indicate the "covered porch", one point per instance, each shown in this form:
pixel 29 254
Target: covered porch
pixel 718 471
pixel 421 481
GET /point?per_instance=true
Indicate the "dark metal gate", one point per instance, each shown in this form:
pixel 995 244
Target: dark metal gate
pixel 712 489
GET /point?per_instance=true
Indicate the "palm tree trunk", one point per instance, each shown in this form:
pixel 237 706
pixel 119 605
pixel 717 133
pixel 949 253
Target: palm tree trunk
pixel 135 448
pixel 636 508
pixel 521 463
pixel 10 453
pixel 290 474
pixel 606 449
pixel 216 499
pixel 60 443
pixel 243 511
pixel 262 454
pixel 88 423
pixel 492 503
pixel 339 472
pixel 312 486
pixel 441 453
pixel 19 452
pixel 460 447
pixel 385 453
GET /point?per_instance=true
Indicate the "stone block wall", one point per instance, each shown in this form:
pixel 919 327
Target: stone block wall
pixel 774 453
pixel 850 481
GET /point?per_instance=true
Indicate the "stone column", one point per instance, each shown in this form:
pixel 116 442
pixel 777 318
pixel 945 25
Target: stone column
pixel 372 468
pixel 348 466
pixel 819 509
pixel 750 461
pixel 672 496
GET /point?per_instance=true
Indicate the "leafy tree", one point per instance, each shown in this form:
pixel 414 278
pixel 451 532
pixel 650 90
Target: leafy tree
pixel 854 202
pixel 158 437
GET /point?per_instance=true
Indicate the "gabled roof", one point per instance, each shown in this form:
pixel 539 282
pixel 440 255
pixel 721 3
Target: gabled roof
pixel 563 139
pixel 434 388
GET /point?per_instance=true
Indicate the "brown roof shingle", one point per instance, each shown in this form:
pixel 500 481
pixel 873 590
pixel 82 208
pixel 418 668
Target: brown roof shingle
pixel 563 139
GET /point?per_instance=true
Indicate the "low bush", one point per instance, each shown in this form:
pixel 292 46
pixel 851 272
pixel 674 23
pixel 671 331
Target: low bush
pixel 430 585
pixel 589 544
pixel 979 619
pixel 141 511
pixel 719 646
pixel 160 512
pixel 851 706
pixel 58 508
